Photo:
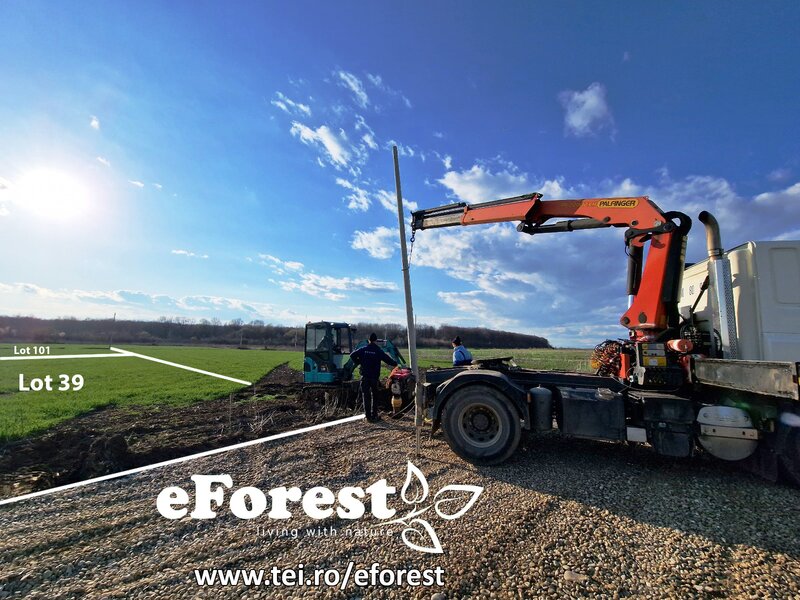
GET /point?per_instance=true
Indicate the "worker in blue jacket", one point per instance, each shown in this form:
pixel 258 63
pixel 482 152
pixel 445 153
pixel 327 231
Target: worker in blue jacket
pixel 461 355
pixel 369 358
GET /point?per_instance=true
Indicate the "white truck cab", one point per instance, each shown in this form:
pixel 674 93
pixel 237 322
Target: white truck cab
pixel 766 296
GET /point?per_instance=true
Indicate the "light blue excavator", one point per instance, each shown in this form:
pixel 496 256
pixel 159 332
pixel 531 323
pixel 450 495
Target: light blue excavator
pixel 327 352
pixel 328 370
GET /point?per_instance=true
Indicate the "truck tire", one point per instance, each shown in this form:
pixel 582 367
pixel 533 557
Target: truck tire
pixel 481 425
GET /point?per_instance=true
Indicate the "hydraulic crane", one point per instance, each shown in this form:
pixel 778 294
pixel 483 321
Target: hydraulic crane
pixel 653 288
pixel 671 384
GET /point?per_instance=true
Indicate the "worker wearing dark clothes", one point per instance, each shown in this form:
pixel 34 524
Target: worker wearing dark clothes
pixel 369 358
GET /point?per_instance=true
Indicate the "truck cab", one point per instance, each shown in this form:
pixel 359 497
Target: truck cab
pixel 765 281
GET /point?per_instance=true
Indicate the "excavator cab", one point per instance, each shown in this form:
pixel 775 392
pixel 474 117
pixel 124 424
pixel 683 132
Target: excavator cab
pixel 327 351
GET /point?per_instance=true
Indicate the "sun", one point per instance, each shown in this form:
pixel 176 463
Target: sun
pixel 52 194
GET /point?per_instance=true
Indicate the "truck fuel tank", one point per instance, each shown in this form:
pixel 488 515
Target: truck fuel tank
pixel 727 432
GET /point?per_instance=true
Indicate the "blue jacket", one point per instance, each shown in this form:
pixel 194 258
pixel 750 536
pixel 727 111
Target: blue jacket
pixel 461 356
pixel 369 358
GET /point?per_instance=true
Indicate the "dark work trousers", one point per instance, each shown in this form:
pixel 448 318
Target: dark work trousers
pixel 369 390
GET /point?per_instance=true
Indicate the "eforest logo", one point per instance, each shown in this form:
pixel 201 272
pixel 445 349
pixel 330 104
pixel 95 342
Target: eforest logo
pixel 449 503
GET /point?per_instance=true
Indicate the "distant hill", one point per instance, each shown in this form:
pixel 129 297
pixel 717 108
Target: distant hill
pixel 236 333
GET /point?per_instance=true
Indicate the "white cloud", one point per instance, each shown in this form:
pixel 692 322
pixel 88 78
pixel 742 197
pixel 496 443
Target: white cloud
pixel 354 84
pixel 280 266
pixel 361 199
pixel 790 197
pixel 479 183
pixel 388 200
pixel 438 134
pixel 447 161
pixel 322 137
pixel 158 186
pixel 586 112
pixel 401 149
pixel 28 298
pixel 296 279
pixel 369 140
pixel 465 302
pixel 378 82
pixel 103 161
pixel 94 123
pixel 289 106
pixel 361 125
pixel 789 235
pixel 4 212
pixel 189 254
pixel 779 175
pixel 333 288
pixel 358 199
pixel 379 243
pixel 136 183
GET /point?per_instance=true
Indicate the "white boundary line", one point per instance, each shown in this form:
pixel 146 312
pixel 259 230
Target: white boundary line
pixel 119 353
pixel 176 365
pixel 175 461
pixel 57 356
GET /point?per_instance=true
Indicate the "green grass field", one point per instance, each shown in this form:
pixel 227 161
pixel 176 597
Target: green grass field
pixel 543 359
pixel 123 381
pixel 131 381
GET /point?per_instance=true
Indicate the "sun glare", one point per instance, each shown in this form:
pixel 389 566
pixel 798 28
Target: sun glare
pixel 52 194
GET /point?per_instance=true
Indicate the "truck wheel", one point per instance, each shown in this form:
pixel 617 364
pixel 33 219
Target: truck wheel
pixel 481 425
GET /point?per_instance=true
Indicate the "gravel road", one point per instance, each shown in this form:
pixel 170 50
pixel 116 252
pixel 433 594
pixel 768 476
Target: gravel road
pixel 563 518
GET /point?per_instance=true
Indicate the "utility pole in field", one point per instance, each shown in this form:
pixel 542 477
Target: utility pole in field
pixel 412 334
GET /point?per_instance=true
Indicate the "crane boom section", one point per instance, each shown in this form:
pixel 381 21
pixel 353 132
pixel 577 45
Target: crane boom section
pixel 653 290
pixel 638 212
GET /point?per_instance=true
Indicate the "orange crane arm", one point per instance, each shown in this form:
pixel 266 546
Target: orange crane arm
pixel 654 291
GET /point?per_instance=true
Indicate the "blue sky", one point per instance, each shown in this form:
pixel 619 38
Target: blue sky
pixel 232 160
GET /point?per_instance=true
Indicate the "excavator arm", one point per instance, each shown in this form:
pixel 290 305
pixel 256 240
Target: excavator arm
pixel 653 287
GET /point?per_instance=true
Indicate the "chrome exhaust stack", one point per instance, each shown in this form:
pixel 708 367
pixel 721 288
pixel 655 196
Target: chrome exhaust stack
pixel 720 287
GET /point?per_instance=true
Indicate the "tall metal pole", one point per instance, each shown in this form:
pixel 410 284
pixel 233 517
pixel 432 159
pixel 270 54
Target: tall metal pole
pixel 412 333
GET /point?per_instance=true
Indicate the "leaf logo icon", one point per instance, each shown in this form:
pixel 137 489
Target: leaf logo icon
pixel 451 502
pixel 411 532
pixel 455 494
pixel 414 480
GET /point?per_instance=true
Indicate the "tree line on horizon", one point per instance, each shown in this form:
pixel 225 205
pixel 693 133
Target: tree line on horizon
pixel 237 333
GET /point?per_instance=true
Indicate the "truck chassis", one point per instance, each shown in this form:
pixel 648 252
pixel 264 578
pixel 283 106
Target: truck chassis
pixel 483 410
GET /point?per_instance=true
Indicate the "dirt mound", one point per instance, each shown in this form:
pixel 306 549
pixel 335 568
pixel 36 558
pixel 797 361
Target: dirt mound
pixel 115 439
pixel 282 375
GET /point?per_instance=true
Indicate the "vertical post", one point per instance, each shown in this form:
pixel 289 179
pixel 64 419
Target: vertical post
pixel 412 333
pixel 113 325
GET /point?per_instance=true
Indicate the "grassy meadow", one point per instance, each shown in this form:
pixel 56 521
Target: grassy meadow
pixel 126 381
pixel 131 381
pixel 534 358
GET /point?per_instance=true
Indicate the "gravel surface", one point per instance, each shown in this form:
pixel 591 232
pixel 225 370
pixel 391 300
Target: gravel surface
pixel 563 518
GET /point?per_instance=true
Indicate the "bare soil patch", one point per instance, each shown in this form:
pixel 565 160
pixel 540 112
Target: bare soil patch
pixel 114 439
